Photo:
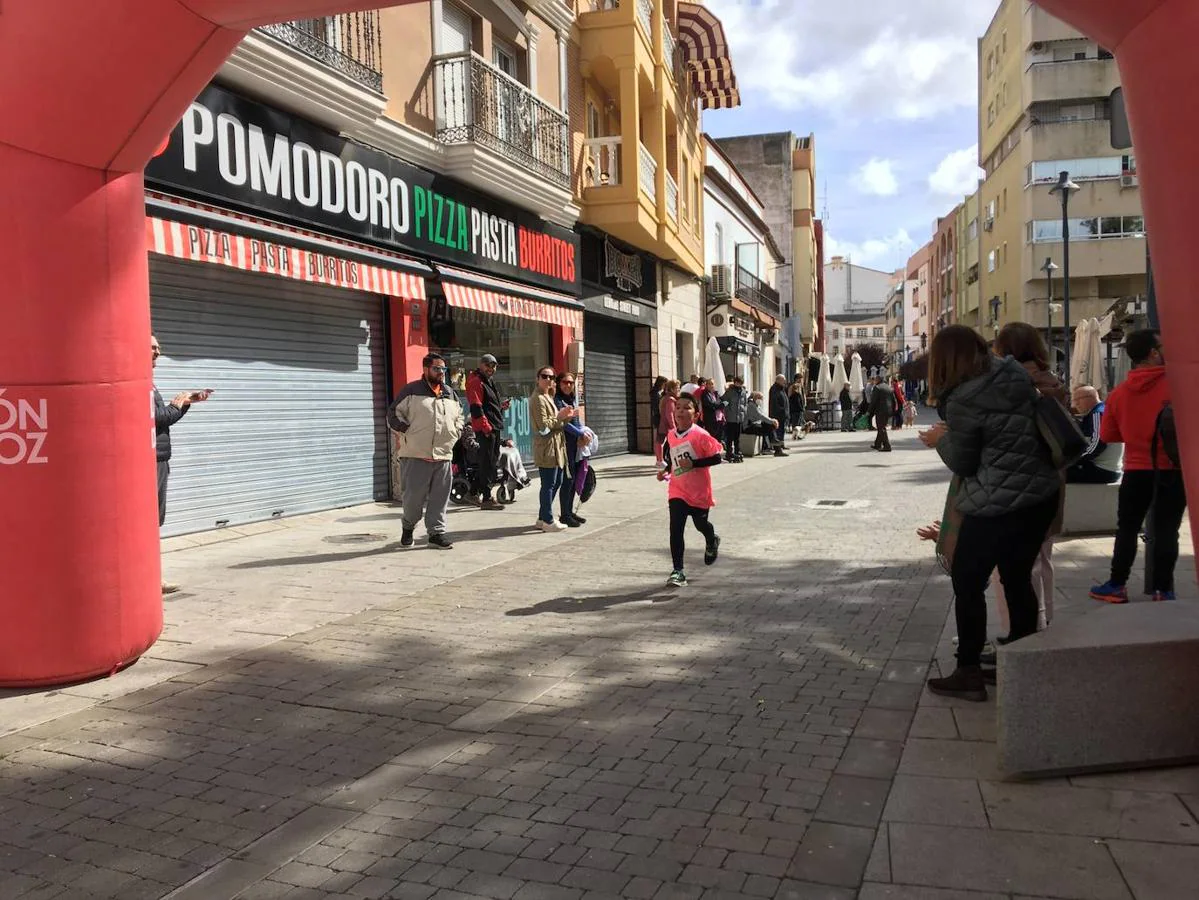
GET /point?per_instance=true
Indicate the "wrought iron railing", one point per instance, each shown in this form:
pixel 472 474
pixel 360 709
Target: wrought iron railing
pixel 648 174
pixel 476 103
pixel 603 161
pixel 349 43
pixel 757 292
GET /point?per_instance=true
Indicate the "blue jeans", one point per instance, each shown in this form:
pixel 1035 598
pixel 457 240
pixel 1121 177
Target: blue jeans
pixel 551 483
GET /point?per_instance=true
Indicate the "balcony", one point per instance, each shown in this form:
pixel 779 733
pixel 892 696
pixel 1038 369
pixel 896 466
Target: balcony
pixel 481 106
pixel 348 44
pixel 1095 258
pixel 327 69
pixel 1070 138
pixel 757 293
pixel 1080 79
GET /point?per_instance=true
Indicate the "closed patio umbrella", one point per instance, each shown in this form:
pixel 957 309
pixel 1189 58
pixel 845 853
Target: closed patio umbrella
pixel 825 379
pixel 1080 354
pixel 839 377
pixel 857 379
pixel 713 367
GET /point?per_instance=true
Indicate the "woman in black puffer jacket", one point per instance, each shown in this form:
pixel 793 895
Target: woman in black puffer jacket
pixel 1008 495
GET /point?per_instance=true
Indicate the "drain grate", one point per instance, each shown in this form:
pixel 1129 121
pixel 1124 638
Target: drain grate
pixel 831 502
pixel 365 538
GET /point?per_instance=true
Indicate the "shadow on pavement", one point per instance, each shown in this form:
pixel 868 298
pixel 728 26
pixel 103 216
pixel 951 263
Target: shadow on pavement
pixel 597 603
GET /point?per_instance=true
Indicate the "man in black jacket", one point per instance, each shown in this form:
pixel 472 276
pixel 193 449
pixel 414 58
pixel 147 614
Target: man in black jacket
pixel 846 400
pixel 882 407
pixel 487 420
pixel 166 415
pixel 780 409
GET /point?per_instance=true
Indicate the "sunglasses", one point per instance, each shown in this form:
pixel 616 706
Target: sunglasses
pixel 571 383
pixel 543 375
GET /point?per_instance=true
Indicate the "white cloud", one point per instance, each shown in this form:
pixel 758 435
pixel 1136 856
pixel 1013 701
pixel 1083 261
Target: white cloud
pixel 957 174
pixel 872 251
pixel 877 178
pixel 858 59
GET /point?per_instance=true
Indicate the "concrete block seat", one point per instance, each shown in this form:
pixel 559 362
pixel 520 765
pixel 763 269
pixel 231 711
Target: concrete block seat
pixel 751 445
pixel 1115 688
pixel 1090 509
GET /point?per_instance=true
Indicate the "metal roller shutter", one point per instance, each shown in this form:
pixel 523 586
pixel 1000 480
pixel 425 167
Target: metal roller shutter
pixel 297 422
pixel 608 383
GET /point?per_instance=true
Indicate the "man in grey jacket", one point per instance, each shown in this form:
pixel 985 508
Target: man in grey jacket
pixel 166 415
pixel 428 420
pixel 736 401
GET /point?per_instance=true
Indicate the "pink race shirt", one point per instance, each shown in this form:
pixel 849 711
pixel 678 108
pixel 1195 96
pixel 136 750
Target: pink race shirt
pixel 693 487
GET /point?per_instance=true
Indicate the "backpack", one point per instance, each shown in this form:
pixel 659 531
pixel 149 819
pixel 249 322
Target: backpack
pixel 1165 435
pixel 1059 432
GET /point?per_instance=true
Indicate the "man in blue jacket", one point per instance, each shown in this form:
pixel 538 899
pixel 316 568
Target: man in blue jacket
pixel 1101 463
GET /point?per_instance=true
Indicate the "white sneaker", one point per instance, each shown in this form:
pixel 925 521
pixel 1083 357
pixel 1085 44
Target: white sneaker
pixel 550 527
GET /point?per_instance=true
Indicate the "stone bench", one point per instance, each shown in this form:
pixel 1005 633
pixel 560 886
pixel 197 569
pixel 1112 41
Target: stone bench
pixel 751 445
pixel 1090 509
pixel 1114 688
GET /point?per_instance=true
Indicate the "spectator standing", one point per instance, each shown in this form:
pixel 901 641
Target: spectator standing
pixel 1101 463
pixel 846 400
pixel 900 399
pixel 1008 493
pixel 166 415
pixel 797 407
pixel 1152 485
pixel 428 418
pixel 576 437
pixel 713 412
pixel 670 399
pixel 736 402
pixel 655 404
pixel 487 421
pixel 549 445
pixel 780 409
pixel 882 402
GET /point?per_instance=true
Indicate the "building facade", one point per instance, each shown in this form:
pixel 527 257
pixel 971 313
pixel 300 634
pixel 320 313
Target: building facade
pixel 781 169
pixel 744 309
pixel 1044 98
pixel 969 262
pixel 848 332
pixel 943 273
pixel 854 289
pixel 920 276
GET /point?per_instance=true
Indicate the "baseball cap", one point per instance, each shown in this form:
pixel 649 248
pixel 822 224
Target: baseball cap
pixel 489 360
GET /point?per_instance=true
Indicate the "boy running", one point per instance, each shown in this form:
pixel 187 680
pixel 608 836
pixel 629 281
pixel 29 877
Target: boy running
pixel 689 452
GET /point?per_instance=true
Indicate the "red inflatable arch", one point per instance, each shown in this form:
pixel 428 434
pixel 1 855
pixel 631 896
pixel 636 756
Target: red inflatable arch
pixel 87 95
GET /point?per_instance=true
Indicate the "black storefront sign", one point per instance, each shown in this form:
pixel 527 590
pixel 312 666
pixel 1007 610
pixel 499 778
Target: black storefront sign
pixel 250 156
pixel 618 268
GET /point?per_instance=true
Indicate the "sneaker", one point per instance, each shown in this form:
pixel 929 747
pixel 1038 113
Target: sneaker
pixel 440 541
pixel 988 659
pixel 1167 596
pixel 1110 593
pixel 171 588
pixel 406 537
pixel 488 503
pixel 712 551
pixel 570 522
pixel 550 527
pixel 966 683
pixel 578 518
pixel 677 579
pixel 779 451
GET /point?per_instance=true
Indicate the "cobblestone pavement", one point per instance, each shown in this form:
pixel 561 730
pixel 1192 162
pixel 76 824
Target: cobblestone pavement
pixel 539 716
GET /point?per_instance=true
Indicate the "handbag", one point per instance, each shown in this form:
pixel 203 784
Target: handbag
pixel 588 485
pixel 951 525
pixel 1059 433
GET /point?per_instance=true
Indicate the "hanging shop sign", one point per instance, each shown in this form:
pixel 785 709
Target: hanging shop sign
pixel 254 157
pixel 618 269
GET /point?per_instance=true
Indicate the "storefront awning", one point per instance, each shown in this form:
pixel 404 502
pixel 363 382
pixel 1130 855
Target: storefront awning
pixel 706 52
pixel 483 293
pixel 187 230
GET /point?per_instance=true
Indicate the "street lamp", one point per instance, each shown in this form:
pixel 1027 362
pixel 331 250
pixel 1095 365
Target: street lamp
pixel 1065 188
pixel 1049 268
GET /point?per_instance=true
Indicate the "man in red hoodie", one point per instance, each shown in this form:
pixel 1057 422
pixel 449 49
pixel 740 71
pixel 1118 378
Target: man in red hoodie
pixel 1131 419
pixel 487 420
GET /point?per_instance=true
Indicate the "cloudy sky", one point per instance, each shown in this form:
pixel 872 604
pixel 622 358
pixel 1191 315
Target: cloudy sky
pixel 888 89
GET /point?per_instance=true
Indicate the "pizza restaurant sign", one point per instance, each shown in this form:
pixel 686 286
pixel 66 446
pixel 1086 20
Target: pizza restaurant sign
pixel 239 152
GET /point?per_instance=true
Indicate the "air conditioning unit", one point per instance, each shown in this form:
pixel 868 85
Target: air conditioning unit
pixel 988 224
pixel 1127 180
pixel 722 282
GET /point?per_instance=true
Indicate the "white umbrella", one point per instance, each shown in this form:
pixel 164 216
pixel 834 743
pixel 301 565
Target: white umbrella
pixel 857 381
pixel 825 378
pixel 713 367
pixel 839 378
pixel 830 388
pixel 1081 364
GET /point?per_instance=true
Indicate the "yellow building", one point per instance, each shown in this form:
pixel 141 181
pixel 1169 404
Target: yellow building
pixel 1044 108
pixel 969 261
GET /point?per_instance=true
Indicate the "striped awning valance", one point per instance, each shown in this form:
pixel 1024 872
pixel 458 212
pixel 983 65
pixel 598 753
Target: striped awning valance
pixel 706 52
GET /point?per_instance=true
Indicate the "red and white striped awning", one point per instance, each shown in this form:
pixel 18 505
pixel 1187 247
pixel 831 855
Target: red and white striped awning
pixel 706 51
pixel 469 290
pixel 267 255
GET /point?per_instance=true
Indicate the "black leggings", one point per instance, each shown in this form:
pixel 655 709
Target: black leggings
pixel 732 439
pixel 680 510
pixel 1009 542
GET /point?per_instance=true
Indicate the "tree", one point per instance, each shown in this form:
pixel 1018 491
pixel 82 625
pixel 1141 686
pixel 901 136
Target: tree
pixel 873 356
pixel 915 369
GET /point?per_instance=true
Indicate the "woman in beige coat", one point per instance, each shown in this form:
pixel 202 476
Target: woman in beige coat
pixel 549 444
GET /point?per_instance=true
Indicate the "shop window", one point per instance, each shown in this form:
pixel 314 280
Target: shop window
pixel 522 346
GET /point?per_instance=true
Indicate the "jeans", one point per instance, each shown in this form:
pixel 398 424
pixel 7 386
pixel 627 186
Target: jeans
pixel 551 483
pixel 1136 502
pixel 164 472
pixel 680 512
pixel 732 440
pixel 569 489
pixel 488 463
pixel 1011 542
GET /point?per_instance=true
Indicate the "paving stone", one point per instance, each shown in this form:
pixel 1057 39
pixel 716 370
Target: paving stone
pixel 870 758
pixel 852 800
pixel 935 801
pixel 949 759
pixel 980 859
pixel 878 868
pixel 796 890
pixel 832 854
pixel 883 724
pixel 906 892
pixel 1062 809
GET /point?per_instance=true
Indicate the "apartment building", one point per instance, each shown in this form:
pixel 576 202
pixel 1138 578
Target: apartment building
pixel 943 285
pixel 852 331
pixel 781 168
pixel 919 274
pixel 850 288
pixel 902 343
pixel 1044 107
pixel 968 266
pixel 743 258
